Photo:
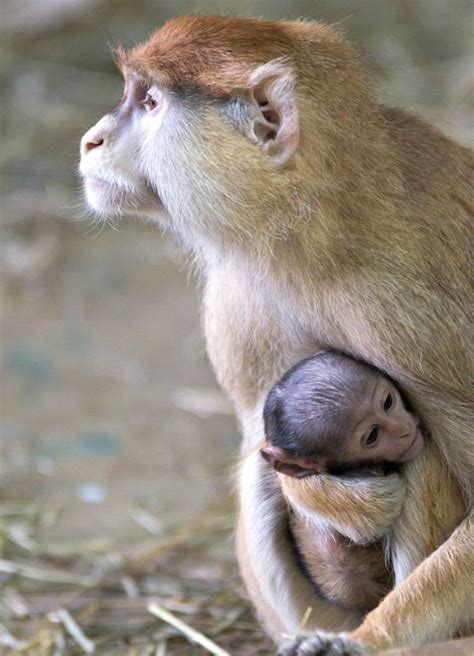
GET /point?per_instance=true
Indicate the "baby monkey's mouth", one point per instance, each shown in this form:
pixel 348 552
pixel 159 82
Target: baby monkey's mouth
pixel 415 447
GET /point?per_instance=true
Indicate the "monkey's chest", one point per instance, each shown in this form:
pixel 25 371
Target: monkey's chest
pixel 352 575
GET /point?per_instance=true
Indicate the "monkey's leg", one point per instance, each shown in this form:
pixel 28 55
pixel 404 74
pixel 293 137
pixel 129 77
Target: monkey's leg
pixel 279 589
pixel 431 604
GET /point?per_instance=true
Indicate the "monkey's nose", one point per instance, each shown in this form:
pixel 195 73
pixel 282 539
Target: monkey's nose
pixel 397 429
pixel 89 143
pixel 98 135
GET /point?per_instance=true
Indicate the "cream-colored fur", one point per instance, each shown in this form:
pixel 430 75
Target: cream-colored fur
pixel 339 524
pixel 359 241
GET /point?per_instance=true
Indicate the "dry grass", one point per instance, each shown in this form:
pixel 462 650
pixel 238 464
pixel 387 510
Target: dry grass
pixel 66 599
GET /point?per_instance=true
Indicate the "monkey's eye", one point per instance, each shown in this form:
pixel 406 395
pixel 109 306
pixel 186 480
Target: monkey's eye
pixel 150 102
pixel 372 437
pixel 387 404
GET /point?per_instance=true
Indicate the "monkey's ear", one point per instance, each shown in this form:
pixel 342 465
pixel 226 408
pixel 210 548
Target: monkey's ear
pixel 274 124
pixel 285 463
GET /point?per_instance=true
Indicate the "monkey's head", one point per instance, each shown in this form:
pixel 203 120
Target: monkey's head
pixel 225 126
pixel 332 414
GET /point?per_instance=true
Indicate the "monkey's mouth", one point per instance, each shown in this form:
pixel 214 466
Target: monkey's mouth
pixel 415 447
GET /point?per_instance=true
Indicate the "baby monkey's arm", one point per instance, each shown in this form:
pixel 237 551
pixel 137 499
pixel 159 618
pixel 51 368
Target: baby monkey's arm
pixel 360 507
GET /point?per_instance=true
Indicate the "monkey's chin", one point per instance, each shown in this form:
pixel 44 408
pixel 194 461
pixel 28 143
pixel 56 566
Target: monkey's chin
pixel 111 199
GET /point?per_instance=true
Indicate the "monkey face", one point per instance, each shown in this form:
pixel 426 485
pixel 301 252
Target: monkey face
pixel 115 181
pixel 169 156
pixel 387 430
pixel 206 153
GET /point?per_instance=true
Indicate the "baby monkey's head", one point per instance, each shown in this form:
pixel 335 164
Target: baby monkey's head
pixel 331 414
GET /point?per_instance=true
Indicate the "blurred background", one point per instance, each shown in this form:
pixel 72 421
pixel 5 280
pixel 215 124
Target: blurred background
pixel 116 446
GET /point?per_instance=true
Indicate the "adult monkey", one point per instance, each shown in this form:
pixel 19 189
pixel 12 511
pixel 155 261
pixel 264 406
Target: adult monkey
pixel 318 218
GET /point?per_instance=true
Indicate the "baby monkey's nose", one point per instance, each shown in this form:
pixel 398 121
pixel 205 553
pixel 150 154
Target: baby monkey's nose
pixel 405 432
pixel 397 429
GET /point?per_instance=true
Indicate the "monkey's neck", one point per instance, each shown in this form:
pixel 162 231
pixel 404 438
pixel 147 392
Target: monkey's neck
pixel 322 216
pixel 321 241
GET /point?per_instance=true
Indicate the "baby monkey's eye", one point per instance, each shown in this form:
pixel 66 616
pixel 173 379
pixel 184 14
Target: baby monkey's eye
pixel 372 437
pixel 387 404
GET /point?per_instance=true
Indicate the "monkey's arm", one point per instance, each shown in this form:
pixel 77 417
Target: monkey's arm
pixel 400 619
pixel 423 570
pixel 424 523
pixel 361 508
pixel 279 590
pixel 446 590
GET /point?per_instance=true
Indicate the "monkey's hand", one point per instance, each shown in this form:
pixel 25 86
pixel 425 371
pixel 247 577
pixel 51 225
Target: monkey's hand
pixel 362 508
pixel 323 643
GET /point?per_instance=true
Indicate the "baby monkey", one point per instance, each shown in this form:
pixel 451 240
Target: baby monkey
pixel 333 415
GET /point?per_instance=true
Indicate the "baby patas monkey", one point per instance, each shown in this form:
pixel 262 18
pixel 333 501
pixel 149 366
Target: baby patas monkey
pixel 333 415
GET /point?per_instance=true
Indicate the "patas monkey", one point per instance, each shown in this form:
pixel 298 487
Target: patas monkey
pixel 318 218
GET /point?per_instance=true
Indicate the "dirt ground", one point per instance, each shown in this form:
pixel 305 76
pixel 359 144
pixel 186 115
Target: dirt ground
pixel 116 445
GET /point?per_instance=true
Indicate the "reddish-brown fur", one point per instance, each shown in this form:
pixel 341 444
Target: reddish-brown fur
pixel 216 54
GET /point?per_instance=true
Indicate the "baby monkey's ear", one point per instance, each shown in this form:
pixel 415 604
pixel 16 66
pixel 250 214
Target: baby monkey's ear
pixel 286 463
